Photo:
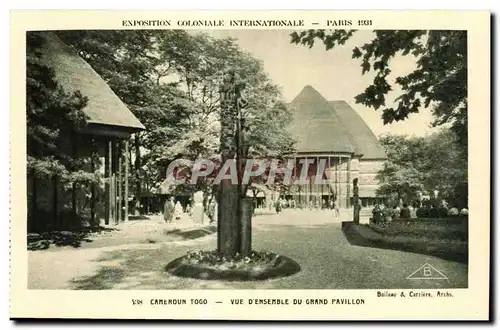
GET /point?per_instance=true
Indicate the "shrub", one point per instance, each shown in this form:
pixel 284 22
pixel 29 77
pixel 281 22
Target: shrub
pixel 422 212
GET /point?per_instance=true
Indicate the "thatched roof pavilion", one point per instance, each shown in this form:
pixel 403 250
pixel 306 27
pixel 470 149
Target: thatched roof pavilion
pixel 333 131
pixel 322 126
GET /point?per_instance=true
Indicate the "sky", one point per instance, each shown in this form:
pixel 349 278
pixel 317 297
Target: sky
pixel 332 73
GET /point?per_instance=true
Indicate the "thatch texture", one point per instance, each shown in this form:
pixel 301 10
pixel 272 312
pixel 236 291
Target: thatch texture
pixel 331 127
pixel 366 142
pixel 75 74
pixel 315 126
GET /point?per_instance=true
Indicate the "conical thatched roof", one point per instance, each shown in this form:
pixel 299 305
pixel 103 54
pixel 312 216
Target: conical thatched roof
pixel 366 142
pixel 315 126
pixel 321 126
pixel 75 74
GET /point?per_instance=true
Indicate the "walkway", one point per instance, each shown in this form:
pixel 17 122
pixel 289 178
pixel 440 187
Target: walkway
pixel 311 238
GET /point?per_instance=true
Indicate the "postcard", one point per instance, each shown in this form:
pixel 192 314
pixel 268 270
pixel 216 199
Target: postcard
pixel 250 165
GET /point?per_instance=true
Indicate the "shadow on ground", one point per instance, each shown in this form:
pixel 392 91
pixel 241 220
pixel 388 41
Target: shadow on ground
pixel 129 269
pixel 140 268
pixel 328 258
pixel 138 217
pixel 192 233
pixel 74 238
pixel 458 253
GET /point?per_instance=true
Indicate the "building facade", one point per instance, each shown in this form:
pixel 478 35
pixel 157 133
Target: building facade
pixel 333 133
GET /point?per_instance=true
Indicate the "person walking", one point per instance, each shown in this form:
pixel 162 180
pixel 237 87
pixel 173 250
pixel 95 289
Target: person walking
pixel 336 208
pixel 278 206
pixel 168 210
pixel 178 210
pixel 212 211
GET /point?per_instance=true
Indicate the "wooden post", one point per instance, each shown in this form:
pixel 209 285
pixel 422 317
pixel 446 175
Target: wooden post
pixel 92 188
pixel 322 188
pixel 246 225
pixel 305 185
pixel 107 175
pixel 74 186
pixel 311 197
pixel 112 207
pixel 298 188
pixel 340 183
pixel 137 165
pixel 329 181
pixel 336 192
pixel 293 189
pixel 126 160
pixel 317 191
pixel 348 200
pixel 119 182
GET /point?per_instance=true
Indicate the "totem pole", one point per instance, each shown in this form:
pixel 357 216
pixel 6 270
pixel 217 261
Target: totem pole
pixel 229 230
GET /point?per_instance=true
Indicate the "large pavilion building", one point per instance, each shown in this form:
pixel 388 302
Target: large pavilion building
pixel 333 132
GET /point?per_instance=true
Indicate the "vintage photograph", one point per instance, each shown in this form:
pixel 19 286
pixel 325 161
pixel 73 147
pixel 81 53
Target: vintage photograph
pixel 247 159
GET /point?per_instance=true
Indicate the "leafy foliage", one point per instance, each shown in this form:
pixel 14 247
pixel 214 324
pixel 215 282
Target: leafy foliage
pixel 424 164
pixel 439 80
pixel 238 261
pixel 51 115
pixel 170 80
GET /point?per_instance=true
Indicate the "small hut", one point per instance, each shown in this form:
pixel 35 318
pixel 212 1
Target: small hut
pixel 109 125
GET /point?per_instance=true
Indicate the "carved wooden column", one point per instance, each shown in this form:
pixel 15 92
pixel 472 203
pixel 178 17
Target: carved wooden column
pixel 228 229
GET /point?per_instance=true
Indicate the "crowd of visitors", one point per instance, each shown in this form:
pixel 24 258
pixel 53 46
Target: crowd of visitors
pixel 385 212
pixel 283 203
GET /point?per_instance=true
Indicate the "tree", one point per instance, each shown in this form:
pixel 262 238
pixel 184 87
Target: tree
pixel 439 80
pixel 446 167
pixel 52 114
pixel 50 111
pixel 198 62
pixel 170 80
pixel 129 61
pixel 402 175
pixel 424 164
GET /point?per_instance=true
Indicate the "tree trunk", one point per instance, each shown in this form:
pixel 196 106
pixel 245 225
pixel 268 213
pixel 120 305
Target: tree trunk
pixel 35 225
pixel 137 206
pixel 254 192
pixel 55 203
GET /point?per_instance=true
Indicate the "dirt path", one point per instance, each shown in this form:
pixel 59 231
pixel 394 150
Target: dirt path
pixel 60 267
pixel 327 259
